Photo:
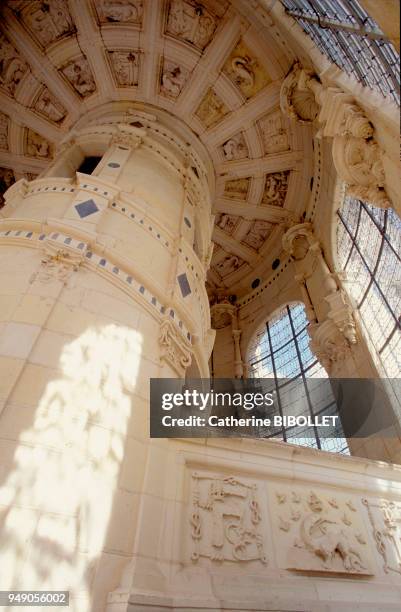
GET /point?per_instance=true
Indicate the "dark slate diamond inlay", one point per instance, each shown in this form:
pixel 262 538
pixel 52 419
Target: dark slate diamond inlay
pixel 84 209
pixel 184 285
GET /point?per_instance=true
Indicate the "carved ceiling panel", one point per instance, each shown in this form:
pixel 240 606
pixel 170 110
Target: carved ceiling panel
pixel 46 21
pixel 125 66
pixel 211 110
pixel 226 264
pixel 119 11
pixel 192 22
pixel 172 78
pixel 80 77
pixel 7 178
pixel 235 148
pixel 12 67
pixel 275 190
pixel 4 132
pixel 274 133
pixel 237 188
pixel 227 223
pixel 245 71
pixel 258 234
pixel 49 106
pixel 37 146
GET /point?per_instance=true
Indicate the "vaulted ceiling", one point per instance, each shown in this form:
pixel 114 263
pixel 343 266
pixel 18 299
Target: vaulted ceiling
pixel 214 64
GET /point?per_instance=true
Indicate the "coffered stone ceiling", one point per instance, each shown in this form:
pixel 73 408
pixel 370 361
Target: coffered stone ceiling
pixel 211 63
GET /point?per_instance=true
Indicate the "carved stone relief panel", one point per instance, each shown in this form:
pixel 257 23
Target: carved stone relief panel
pixel 245 71
pixel 172 78
pixel 79 75
pixel 122 11
pixel 46 21
pixel 47 104
pixel 192 22
pixel 4 132
pixel 235 148
pixel 36 145
pixel 320 531
pixel 227 223
pixel 385 520
pixel 7 179
pixel 275 189
pixel 258 234
pixel 12 67
pixel 225 519
pixel 211 110
pixel 274 133
pixel 237 188
pixel 125 66
pixel 226 263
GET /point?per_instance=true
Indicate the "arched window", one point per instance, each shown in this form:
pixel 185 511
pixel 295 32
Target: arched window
pixel 350 38
pixel 369 246
pixel 280 350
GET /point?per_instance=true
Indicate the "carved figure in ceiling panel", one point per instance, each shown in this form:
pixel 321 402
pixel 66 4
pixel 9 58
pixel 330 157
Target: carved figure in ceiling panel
pixel 3 132
pixel 235 148
pixel 130 11
pixel 228 265
pixel 125 66
pixel 258 233
pixel 36 145
pixel 191 22
pixel 275 189
pixel 80 76
pixel 237 188
pixel 12 68
pixel 227 222
pixel 7 179
pixel 47 104
pixel 385 520
pixel 225 522
pixel 211 110
pixel 274 134
pixel 173 79
pixel 47 21
pixel 246 72
pixel 313 535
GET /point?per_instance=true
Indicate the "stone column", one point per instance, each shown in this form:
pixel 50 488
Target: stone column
pixel 102 287
pixel 337 339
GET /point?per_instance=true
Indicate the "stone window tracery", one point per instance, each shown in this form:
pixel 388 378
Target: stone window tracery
pixel 369 247
pixel 349 37
pixel 280 350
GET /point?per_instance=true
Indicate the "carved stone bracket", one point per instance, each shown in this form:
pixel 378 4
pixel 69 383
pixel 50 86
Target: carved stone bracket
pixel 175 349
pixel 356 154
pixel 128 136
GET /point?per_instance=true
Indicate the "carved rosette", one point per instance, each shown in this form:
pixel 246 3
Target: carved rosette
pixel 357 156
pixel 175 349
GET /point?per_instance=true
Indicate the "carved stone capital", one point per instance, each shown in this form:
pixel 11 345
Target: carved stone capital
pixel 222 314
pixel 341 313
pixel 329 345
pixel 58 262
pixel 298 240
pixel 175 349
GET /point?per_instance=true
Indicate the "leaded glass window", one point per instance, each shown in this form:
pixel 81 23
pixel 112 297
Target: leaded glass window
pixel 280 350
pixel 345 33
pixel 369 247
